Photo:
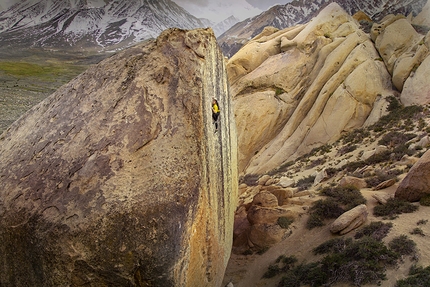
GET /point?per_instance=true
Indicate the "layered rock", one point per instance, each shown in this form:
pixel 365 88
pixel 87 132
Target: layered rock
pixel 119 179
pixel 306 86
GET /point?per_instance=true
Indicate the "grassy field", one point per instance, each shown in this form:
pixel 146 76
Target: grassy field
pixel 28 78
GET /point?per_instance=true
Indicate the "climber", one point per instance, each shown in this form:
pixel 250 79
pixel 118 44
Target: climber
pixel 215 113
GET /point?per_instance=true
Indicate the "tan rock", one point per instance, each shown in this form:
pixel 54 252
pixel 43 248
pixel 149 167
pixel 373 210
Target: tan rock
pixel 385 184
pixel 299 113
pixel 416 184
pixel 118 179
pixel 397 38
pixel 350 220
pixel 283 195
pixel 265 235
pixel 423 18
pixel 378 150
pixel 416 90
pixel 263 179
pixel 269 215
pixel 381 198
pixel 408 160
pixel 265 199
pixel 356 182
pixel 286 182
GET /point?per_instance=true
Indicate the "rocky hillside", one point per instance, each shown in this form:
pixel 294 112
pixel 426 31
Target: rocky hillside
pixel 119 178
pixel 80 25
pixel 339 150
pixel 300 12
pixel 309 84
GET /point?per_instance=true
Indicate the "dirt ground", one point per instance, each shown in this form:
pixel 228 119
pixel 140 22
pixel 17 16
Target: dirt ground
pixel 247 270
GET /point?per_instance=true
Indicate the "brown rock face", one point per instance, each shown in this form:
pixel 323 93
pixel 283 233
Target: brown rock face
pixel 118 178
pixel 417 182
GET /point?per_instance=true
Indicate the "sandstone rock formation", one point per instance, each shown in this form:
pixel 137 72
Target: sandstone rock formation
pixel 118 179
pixel 416 184
pixel 350 220
pixel 305 87
pixel 406 54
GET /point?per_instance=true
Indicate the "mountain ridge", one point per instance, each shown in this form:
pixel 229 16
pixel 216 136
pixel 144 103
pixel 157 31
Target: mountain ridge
pixel 69 24
pixel 301 11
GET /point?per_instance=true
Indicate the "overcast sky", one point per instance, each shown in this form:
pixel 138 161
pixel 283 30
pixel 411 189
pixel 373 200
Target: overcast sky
pixel 218 10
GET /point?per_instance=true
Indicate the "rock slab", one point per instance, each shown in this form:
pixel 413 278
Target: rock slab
pixel 118 178
pixel 416 184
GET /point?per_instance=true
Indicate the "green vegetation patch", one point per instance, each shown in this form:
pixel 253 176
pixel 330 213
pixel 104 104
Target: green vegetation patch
pixel 357 262
pixel 393 208
pixel 418 277
pixel 47 71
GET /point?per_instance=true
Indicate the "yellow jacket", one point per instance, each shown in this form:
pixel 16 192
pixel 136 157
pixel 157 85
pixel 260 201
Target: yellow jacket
pixel 215 108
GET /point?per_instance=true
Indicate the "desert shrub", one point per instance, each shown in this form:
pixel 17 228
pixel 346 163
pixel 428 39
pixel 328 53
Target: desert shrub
pixel 262 250
pixel 422 221
pixel 282 168
pixel 377 230
pixel 331 172
pixel 394 207
pixel 366 260
pixel 395 138
pixel 272 271
pixel 402 245
pixel 396 113
pixel 380 177
pixel 352 166
pixel 348 196
pixel 304 274
pixel 355 137
pixel 306 182
pixel 282 264
pixel 279 91
pixel 317 162
pixel 284 222
pixel 417 231
pixel 425 200
pixel 346 149
pixel 378 158
pixel 357 262
pixel 335 245
pixel 339 200
pixel 418 277
pixel 249 179
pixel 321 210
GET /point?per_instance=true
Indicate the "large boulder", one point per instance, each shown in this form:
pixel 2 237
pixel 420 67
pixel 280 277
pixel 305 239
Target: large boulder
pixel 406 54
pixel 119 179
pixel 350 220
pixel 323 82
pixel 416 184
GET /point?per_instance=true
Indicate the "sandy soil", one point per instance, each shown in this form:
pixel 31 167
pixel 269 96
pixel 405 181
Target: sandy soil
pixel 247 271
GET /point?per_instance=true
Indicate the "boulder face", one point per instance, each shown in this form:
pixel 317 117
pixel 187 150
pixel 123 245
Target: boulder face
pixel 416 184
pixel 119 179
pixel 406 54
pixel 305 86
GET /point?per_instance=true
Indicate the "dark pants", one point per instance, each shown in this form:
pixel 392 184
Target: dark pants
pixel 215 118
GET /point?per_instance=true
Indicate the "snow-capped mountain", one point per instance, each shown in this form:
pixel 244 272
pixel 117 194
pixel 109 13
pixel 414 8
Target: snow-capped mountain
pixel 301 11
pixel 223 26
pixel 90 23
